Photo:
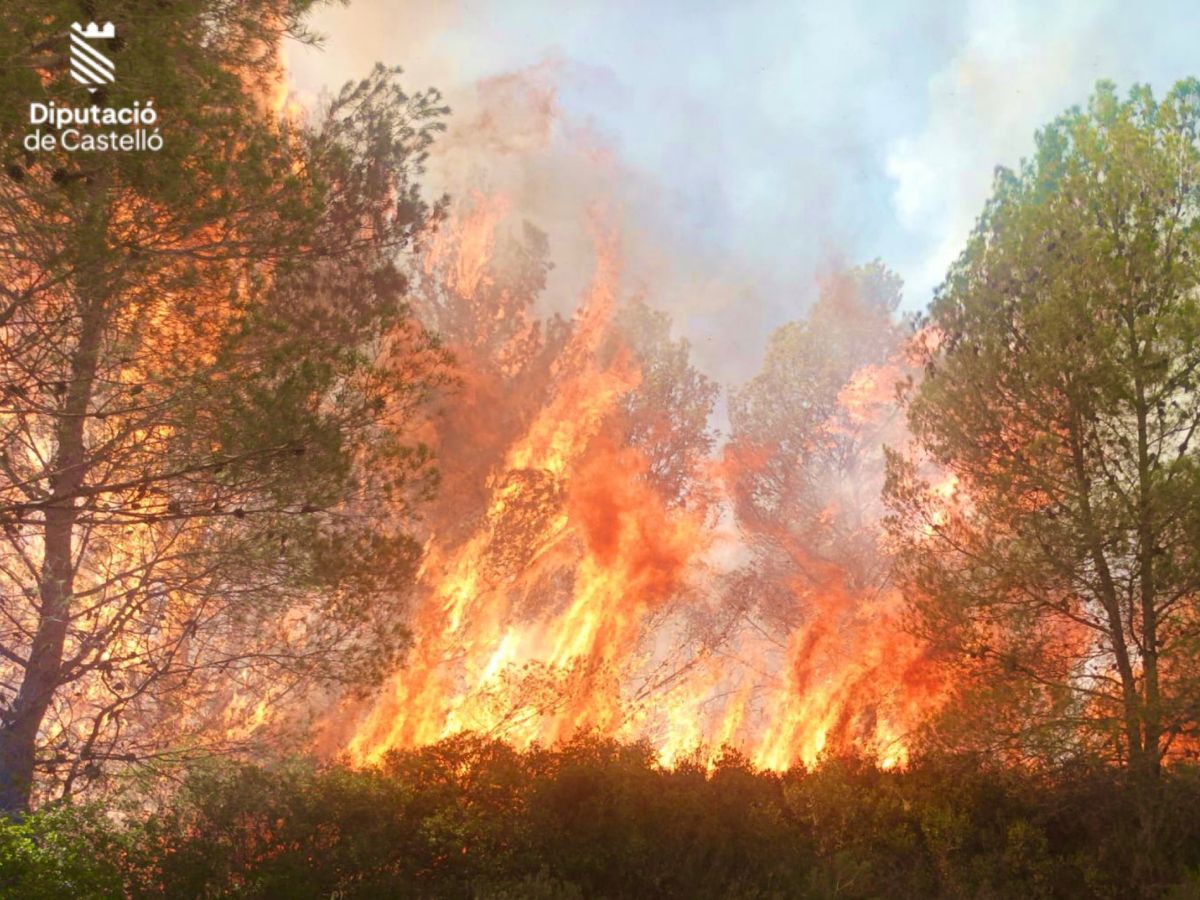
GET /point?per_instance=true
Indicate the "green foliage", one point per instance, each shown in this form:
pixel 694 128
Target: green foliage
pixel 473 818
pixel 62 852
pixel 1061 389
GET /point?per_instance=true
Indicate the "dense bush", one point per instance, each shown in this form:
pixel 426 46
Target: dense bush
pixel 474 818
pixel 65 852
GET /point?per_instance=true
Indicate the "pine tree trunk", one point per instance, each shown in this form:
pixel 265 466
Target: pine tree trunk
pixel 18 735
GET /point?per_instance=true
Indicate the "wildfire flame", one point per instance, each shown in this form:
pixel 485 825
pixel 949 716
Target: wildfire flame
pixel 566 607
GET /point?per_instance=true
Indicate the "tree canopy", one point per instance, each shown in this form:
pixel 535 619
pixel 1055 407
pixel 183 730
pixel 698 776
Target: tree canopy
pixel 1060 396
pixel 208 375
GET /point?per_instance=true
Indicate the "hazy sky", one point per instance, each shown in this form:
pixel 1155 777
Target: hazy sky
pixel 757 143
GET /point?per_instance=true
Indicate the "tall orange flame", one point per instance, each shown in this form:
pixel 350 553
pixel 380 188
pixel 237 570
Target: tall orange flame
pixel 566 608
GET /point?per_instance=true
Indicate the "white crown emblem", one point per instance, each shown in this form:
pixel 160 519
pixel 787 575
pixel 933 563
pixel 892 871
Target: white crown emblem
pixel 88 65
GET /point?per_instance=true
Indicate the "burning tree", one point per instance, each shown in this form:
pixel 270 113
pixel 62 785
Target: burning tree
pixel 208 372
pixel 805 464
pixel 1061 394
pixel 570 509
